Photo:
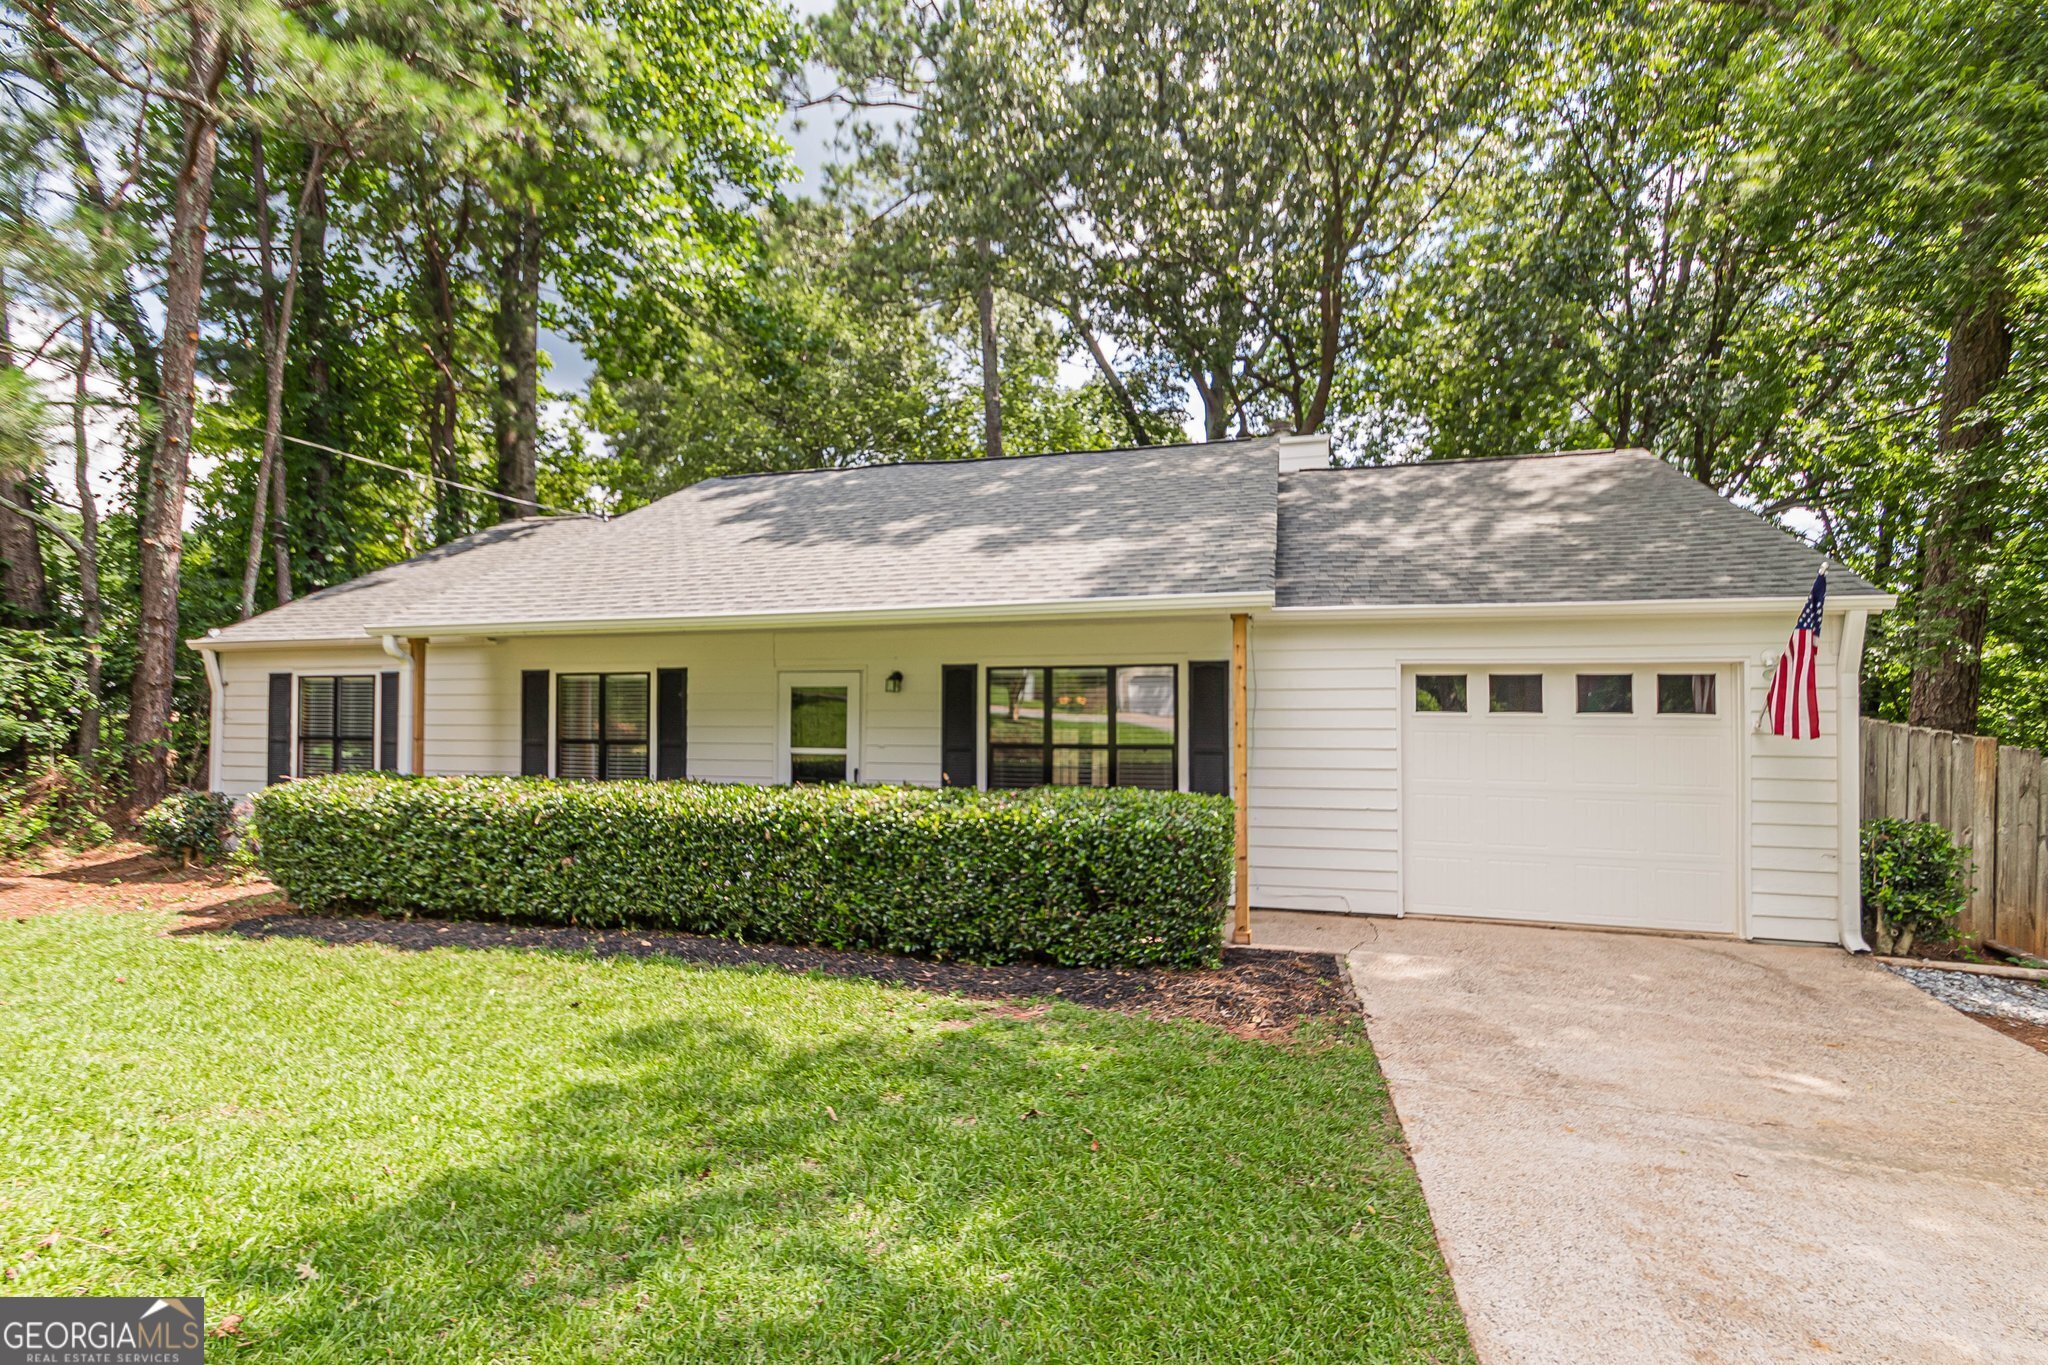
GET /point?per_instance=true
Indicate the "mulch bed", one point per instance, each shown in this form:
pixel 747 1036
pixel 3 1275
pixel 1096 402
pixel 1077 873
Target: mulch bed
pixel 1255 994
pixel 2033 1035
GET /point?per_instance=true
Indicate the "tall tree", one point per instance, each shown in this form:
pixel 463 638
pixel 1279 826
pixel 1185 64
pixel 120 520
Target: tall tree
pixel 1916 131
pixel 1227 186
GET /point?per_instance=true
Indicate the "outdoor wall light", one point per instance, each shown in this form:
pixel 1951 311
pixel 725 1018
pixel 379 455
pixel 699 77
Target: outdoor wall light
pixel 894 682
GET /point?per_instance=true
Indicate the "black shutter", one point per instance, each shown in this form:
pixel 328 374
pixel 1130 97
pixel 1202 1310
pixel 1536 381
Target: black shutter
pixel 533 722
pixel 1209 726
pixel 672 723
pixel 956 725
pixel 280 765
pixel 387 721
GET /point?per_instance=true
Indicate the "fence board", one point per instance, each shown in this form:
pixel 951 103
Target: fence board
pixel 1940 763
pixel 1919 759
pixel 1961 763
pixel 2019 819
pixel 1991 799
pixel 1895 770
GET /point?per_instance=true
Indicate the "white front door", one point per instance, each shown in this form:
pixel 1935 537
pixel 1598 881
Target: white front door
pixel 1596 794
pixel 820 734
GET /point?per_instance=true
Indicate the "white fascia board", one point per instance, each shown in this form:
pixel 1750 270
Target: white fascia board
pixel 1680 606
pixel 208 646
pixel 1177 604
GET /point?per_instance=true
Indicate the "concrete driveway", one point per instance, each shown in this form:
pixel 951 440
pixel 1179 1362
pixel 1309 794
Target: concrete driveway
pixel 1657 1149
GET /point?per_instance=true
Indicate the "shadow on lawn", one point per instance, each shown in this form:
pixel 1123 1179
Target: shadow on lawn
pixel 952 1189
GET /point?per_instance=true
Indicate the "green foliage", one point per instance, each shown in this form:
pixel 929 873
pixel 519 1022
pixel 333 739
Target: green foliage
pixel 42 685
pixel 1915 883
pixel 1078 877
pixel 190 826
pixel 55 801
pixel 829 352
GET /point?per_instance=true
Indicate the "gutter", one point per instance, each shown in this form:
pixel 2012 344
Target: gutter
pixel 1677 606
pixel 1201 603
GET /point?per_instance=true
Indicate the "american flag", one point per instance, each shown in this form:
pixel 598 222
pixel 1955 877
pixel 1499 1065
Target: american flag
pixel 1793 706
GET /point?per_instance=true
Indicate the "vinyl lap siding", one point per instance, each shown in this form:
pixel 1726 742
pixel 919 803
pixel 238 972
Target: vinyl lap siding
pixel 1326 720
pixel 244 725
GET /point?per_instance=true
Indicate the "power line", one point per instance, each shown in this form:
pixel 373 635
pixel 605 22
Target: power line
pixel 436 478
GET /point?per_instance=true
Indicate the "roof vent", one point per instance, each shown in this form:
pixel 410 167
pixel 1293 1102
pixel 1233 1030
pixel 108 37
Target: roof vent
pixel 1303 452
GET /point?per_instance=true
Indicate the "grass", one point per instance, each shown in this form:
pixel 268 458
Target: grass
pixel 502 1156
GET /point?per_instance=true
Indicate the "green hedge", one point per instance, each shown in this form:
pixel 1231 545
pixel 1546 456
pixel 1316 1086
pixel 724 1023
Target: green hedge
pixel 1074 877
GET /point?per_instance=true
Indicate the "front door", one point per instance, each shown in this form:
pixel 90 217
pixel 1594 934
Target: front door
pixel 820 727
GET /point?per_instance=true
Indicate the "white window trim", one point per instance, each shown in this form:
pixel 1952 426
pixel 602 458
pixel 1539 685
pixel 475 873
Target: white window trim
pixel 853 681
pixel 376 708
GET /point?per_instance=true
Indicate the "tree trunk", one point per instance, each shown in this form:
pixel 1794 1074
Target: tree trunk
pixel 442 401
pixel 270 469
pixel 1954 606
pixel 24 590
pixel 991 374
pixel 161 531
pixel 144 366
pixel 266 271
pixel 316 342
pixel 518 336
pixel 88 552
pixel 1118 390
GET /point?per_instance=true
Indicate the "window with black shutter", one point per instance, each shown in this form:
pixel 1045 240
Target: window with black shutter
pixel 1098 726
pixel 337 724
pixel 602 725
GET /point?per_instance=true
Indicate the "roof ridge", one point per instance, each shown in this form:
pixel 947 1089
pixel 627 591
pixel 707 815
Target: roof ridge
pixel 970 460
pixel 1636 451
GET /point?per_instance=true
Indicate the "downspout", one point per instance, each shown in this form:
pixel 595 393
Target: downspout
pixel 404 651
pixel 216 692
pixel 1849 778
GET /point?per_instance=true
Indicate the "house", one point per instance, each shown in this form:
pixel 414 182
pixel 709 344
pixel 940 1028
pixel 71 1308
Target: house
pixel 1522 689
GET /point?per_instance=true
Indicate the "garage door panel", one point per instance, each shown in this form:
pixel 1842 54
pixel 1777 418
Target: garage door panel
pixel 1624 820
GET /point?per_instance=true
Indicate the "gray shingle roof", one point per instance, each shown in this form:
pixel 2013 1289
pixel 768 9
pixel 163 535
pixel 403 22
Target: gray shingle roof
pixel 1167 521
pixel 341 612
pixel 1058 528
pixel 1611 526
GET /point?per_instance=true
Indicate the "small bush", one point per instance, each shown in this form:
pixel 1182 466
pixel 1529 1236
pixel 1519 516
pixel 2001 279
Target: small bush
pixel 1915 883
pixel 1068 876
pixel 189 826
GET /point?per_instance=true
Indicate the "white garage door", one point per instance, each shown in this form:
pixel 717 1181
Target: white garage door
pixel 1585 795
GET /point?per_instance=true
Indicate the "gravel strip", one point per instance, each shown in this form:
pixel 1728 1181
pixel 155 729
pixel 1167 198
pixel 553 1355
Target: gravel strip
pixel 2026 1001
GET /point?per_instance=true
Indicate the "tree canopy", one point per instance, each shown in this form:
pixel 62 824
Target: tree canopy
pixel 281 279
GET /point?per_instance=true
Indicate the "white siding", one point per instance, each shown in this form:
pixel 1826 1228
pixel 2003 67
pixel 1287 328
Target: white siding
pixel 1326 782
pixel 241 756
pixel 1325 743
pixel 473 687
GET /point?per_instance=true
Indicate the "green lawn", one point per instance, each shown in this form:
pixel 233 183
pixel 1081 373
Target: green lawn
pixel 467 1156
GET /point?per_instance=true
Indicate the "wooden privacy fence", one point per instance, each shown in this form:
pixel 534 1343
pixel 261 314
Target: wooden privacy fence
pixel 1988 796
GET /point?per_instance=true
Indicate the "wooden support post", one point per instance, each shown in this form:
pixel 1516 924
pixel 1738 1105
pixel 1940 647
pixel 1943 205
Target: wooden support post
pixel 419 707
pixel 1240 773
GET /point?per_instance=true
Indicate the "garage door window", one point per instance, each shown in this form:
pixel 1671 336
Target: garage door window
pixel 1514 692
pixel 1603 694
pixel 1440 691
pixel 1685 694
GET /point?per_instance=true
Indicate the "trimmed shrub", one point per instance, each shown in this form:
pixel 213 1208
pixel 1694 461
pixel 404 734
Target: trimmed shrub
pixel 189 826
pixel 1077 877
pixel 1915 883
